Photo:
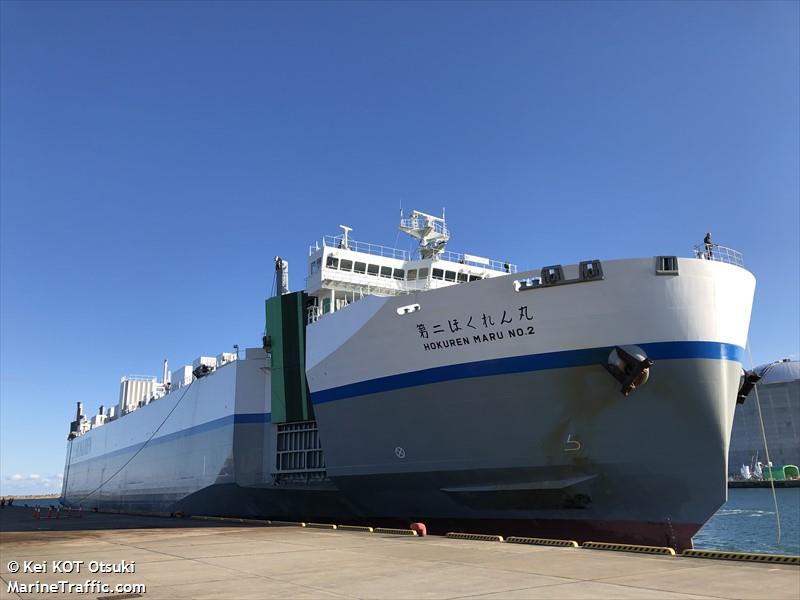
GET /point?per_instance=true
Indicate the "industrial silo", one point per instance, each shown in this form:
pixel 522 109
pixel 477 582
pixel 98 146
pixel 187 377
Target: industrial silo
pixel 779 393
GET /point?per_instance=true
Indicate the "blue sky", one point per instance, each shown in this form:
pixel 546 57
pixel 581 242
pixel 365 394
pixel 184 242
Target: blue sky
pixel 154 157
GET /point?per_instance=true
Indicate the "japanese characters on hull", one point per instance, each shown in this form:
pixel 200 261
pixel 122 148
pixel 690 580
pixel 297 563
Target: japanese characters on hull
pixel 477 329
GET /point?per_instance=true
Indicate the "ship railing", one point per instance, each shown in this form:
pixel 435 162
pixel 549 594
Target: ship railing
pixel 313 314
pixel 719 254
pixel 139 378
pixel 422 222
pixel 338 241
pixel 475 261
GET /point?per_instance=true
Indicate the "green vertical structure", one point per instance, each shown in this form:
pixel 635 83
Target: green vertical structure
pixel 286 340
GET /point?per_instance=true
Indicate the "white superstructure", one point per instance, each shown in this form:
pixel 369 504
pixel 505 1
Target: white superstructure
pixel 342 271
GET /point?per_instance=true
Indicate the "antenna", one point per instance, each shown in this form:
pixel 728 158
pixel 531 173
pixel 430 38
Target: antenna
pixel 345 229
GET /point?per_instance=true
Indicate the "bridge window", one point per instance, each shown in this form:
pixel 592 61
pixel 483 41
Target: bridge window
pixel 346 265
pixel 372 270
pixel 449 276
pixel 399 274
pixel 360 268
pixel 438 274
pixel 333 262
pixel 386 272
pixel 475 277
pixel 463 278
pixel 423 273
pixel 412 274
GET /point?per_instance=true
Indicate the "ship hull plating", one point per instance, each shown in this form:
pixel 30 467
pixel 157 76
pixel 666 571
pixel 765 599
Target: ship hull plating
pixel 488 404
pixel 512 457
pixel 546 450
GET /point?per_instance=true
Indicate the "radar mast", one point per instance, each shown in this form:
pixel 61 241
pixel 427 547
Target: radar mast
pixel 431 232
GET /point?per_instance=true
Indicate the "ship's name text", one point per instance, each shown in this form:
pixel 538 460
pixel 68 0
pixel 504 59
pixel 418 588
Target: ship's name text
pixel 492 336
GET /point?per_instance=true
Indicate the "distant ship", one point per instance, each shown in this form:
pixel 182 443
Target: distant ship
pixel 585 401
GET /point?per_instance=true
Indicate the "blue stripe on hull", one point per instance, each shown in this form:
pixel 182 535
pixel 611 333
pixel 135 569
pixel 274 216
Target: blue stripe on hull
pixel 522 364
pixel 207 426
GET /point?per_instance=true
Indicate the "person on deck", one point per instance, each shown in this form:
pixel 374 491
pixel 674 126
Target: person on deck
pixel 709 246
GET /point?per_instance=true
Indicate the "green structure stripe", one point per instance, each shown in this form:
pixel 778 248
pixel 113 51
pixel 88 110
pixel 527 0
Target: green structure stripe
pixel 287 332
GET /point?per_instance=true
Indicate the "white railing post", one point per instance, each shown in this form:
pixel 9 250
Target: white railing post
pixel 719 254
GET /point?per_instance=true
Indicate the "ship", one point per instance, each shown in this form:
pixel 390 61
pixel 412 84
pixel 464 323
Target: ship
pixel 588 401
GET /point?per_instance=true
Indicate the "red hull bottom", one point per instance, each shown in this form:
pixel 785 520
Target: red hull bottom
pixel 330 507
pixel 673 535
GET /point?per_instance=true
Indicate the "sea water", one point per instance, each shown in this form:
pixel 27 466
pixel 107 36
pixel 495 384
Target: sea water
pixel 747 522
pixel 36 502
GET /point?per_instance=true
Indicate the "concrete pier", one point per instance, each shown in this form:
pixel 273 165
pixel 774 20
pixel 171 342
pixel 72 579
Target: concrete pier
pixel 184 558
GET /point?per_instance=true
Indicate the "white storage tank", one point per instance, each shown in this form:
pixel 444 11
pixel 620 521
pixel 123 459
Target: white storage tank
pixel 779 395
pixel 133 391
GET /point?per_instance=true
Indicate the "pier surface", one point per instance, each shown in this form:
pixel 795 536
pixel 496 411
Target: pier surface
pixel 184 558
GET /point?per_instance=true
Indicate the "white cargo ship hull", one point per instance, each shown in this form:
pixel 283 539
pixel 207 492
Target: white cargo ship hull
pixel 492 404
pixel 477 405
pixel 171 448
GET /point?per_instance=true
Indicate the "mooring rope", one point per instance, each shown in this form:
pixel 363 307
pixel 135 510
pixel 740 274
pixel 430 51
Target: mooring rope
pixel 766 448
pixel 142 447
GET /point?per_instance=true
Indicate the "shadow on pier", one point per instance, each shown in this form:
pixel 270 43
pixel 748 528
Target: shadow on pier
pixel 20 520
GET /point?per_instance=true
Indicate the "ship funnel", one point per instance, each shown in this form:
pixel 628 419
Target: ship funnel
pixel 75 426
pixel 281 276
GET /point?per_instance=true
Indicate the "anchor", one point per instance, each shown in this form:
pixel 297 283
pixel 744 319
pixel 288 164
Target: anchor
pixel 630 366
